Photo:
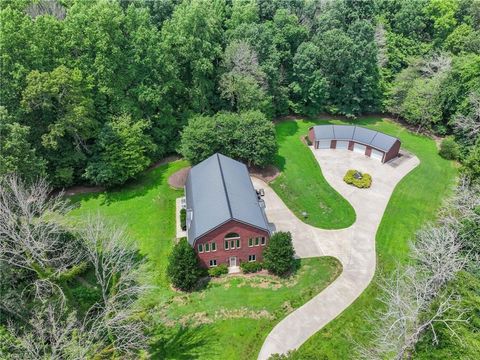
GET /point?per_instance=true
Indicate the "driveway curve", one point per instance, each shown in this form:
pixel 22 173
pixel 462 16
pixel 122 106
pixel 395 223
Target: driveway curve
pixel 354 247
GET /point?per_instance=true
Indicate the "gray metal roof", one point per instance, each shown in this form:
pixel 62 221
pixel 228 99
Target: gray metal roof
pixel 359 134
pixel 219 189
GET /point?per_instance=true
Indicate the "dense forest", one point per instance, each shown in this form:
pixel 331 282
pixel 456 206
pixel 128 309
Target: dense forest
pixel 95 91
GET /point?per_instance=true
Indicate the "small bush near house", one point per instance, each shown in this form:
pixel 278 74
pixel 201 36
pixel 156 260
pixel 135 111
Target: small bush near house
pixel 278 255
pixel 251 267
pixel 183 219
pixel 449 149
pixel 307 140
pixel 356 178
pixel 183 270
pixel 218 271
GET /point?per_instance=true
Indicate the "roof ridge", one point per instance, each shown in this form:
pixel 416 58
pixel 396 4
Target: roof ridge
pixel 374 136
pixel 224 186
pixel 333 130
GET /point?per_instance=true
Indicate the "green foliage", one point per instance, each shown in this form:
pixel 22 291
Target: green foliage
pixel 183 219
pixel 471 166
pixel 218 271
pixel 123 149
pixel 364 182
pixel 449 149
pixel 248 137
pixel 17 154
pixel 183 270
pixel 251 267
pixel 278 254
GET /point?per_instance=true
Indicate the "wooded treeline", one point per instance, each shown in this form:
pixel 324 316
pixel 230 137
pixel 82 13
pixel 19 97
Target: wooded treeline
pixel 94 91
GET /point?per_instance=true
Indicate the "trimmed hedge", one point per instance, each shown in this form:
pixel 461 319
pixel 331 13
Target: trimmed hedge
pixel 251 267
pixel 219 270
pixel 364 182
pixel 449 149
pixel 183 219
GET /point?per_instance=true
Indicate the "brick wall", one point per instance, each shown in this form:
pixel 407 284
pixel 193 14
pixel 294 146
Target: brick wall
pixel 311 136
pixel 221 255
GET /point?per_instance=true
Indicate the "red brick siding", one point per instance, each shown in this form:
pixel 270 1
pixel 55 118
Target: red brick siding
pixel 368 151
pixel 221 255
pixel 393 152
pixel 350 145
pixel 333 144
pixel 311 136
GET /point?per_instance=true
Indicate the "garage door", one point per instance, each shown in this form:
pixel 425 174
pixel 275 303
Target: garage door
pixel 358 148
pixel 342 145
pixel 376 154
pixel 324 144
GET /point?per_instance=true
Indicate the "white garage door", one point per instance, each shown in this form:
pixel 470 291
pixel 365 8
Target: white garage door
pixel 376 154
pixel 342 145
pixel 358 148
pixel 324 144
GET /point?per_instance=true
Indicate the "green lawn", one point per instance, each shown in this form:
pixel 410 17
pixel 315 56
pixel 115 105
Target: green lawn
pixel 415 201
pixel 302 185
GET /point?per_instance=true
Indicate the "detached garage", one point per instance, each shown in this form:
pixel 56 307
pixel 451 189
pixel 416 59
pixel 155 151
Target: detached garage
pixel 358 139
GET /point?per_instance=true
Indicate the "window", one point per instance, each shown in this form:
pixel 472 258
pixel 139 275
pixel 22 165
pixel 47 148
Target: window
pixel 252 258
pixel 207 247
pixel 238 243
pixel 232 236
pixel 213 263
pixel 250 242
pixel 200 248
pixel 264 241
pixel 226 244
pixel 214 246
pixel 257 241
pixel 232 244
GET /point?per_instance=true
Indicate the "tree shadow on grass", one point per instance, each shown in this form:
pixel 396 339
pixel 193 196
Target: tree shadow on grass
pixel 181 343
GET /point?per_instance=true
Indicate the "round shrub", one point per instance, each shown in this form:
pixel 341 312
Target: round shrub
pixel 251 267
pixel 449 149
pixel 219 270
pixel 278 255
pixel 183 270
pixel 356 178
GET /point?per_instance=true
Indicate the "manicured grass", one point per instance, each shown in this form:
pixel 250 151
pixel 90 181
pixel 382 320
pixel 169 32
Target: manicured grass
pixel 302 186
pixel 414 202
pixel 230 318
pixel 233 315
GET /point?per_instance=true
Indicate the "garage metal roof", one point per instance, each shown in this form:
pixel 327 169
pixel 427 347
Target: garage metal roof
pixel 219 189
pixel 359 134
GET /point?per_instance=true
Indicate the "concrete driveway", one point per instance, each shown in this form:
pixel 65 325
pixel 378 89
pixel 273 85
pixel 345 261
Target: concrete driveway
pixel 353 246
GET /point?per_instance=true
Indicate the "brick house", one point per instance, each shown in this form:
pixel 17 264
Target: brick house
pixel 226 221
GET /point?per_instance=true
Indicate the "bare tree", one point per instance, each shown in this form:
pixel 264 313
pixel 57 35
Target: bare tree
pixel 116 318
pixel 46 7
pixel 469 124
pixel 32 235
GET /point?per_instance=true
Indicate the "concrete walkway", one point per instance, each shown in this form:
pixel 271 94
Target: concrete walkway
pixel 354 247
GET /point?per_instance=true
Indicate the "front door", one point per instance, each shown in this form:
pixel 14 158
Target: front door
pixel 233 261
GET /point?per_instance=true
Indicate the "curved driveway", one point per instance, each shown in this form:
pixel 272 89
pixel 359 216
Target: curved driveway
pixel 353 246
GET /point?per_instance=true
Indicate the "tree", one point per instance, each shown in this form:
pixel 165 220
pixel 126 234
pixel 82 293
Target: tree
pixel 18 156
pixel 247 136
pixel 243 84
pixel 183 269
pixel 471 166
pixel 122 151
pixel 278 256
pixel 449 149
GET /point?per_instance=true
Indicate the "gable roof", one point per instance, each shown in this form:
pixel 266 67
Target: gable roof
pixel 359 134
pixel 219 189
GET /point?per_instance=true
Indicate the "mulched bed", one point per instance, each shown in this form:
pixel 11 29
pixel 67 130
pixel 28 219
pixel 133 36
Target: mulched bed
pixel 267 174
pixel 178 179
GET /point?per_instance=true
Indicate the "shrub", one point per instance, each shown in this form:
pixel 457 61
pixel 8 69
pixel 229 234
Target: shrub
pixel 364 182
pixel 278 255
pixel 251 267
pixel 449 149
pixel 183 219
pixel 219 270
pixel 183 270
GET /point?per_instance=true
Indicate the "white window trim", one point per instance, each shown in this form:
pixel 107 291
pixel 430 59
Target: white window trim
pixel 211 248
pixel 198 248
pixel 215 261
pixel 226 244
pixel 250 241
pixel 263 241
pixel 252 258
